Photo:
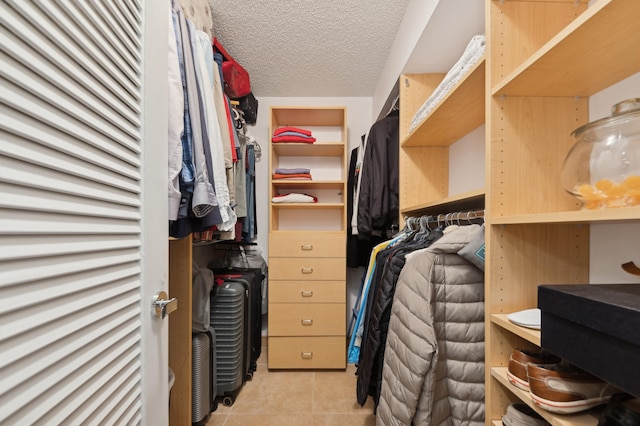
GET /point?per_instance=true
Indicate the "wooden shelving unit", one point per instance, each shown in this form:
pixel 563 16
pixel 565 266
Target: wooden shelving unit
pixel 543 61
pixel 307 244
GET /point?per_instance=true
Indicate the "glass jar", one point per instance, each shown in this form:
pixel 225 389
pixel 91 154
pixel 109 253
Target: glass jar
pixel 602 169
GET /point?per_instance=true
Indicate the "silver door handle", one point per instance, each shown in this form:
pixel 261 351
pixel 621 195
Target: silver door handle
pixel 307 321
pixel 161 306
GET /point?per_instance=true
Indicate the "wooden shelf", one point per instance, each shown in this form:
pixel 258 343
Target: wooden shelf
pixel 309 116
pixel 461 111
pixel 472 200
pixel 593 52
pixel 587 418
pixel 307 205
pixel 618 215
pixel 317 184
pixel 308 149
pixel 529 334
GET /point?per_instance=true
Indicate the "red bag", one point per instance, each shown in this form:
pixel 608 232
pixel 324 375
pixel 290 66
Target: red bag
pixel 236 78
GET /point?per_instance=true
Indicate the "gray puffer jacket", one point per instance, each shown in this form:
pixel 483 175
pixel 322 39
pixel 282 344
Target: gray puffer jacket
pixel 433 372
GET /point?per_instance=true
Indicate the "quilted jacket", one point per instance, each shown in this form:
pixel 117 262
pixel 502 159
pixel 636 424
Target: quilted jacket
pixel 433 372
pixel 390 262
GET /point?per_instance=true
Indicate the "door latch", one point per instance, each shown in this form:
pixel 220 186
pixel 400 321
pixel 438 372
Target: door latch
pixel 162 305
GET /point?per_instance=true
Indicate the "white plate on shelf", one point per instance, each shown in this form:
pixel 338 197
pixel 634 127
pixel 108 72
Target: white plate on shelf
pixel 529 318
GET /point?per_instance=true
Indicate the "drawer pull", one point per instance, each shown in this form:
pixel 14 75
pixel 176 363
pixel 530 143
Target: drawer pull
pixel 307 322
pixel 306 293
pixel 307 355
pixel 307 247
pixel 307 270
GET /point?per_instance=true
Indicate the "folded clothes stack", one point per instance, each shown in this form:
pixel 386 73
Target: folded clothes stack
pixel 294 198
pixel 296 173
pixel 292 134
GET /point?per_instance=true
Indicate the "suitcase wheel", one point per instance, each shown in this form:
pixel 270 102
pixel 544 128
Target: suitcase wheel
pixel 228 401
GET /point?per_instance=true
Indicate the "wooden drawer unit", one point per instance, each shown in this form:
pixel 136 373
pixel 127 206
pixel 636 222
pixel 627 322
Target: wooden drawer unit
pixel 312 268
pixel 307 292
pixel 307 244
pixel 315 319
pixel 307 352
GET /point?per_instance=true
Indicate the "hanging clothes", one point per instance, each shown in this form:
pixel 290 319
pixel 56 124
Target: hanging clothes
pixel 390 263
pixel 378 205
pixel 433 369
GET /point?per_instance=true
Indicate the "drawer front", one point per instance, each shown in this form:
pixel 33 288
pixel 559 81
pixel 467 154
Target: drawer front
pixel 309 319
pixel 307 244
pixel 307 352
pixel 307 292
pixel 307 269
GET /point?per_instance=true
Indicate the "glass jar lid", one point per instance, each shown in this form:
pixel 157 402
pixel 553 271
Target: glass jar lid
pixel 621 111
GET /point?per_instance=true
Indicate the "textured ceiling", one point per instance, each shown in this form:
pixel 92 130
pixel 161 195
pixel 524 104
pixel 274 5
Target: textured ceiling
pixel 309 47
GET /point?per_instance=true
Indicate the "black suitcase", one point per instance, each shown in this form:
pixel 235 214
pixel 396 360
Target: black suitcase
pixel 253 278
pixel 203 377
pixel 229 319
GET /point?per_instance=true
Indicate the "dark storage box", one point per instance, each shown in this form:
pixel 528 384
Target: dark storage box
pixel 595 327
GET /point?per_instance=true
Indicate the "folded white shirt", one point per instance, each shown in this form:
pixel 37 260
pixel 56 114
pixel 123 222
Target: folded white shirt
pixel 294 198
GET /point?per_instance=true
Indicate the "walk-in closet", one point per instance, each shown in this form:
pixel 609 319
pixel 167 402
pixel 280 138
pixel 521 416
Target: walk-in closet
pixel 398 213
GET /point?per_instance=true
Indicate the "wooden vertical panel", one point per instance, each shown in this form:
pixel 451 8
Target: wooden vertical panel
pixel 424 171
pixel 180 254
pixel 424 175
pixel 519 28
pixel 415 89
pixel 529 139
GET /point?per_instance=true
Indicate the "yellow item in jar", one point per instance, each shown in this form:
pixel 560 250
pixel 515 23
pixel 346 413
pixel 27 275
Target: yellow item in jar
pixel 606 193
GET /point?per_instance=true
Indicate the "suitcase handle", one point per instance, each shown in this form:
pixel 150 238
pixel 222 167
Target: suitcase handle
pixel 307 321
pixel 306 293
pixel 307 355
pixel 306 270
pixel 307 247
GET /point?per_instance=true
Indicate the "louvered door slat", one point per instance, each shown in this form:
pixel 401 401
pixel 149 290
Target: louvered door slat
pixel 71 212
pixel 32 141
pixel 74 82
pixel 15 222
pixel 36 27
pixel 119 48
pixel 27 103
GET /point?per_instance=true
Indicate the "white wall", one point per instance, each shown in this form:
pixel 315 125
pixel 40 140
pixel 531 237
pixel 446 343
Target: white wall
pixel 466 163
pixel 613 244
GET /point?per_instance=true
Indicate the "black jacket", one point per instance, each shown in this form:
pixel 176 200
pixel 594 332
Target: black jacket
pixel 378 205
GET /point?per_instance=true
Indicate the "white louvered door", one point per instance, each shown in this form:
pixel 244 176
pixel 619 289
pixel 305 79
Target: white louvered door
pixel 83 223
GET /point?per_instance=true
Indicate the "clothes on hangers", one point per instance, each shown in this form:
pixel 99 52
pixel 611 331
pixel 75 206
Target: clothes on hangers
pixel 438 364
pixel 378 205
pixel 370 340
pixel 211 178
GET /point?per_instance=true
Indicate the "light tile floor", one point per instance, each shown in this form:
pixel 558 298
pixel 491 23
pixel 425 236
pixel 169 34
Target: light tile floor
pixel 296 398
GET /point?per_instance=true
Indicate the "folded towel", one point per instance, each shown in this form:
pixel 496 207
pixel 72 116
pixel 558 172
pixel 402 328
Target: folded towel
pixel 291 129
pixel 294 198
pixel 470 57
pixel 292 176
pixel 285 171
pixel 283 139
pixel 302 135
